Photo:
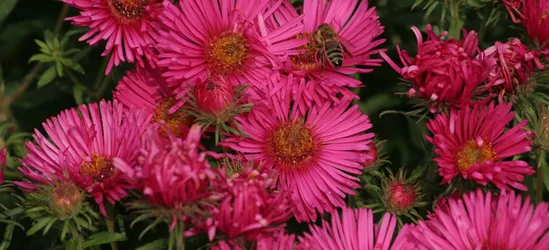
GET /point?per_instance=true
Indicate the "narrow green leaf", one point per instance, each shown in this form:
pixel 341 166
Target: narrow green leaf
pixel 430 10
pixel 8 234
pixel 155 245
pixel 49 38
pixel 43 46
pixel 417 3
pixel 47 77
pixel 42 222
pixel 59 68
pixel 75 244
pixel 72 64
pixel 6 7
pixel 545 172
pixel 103 238
pixel 41 58
pixel 78 93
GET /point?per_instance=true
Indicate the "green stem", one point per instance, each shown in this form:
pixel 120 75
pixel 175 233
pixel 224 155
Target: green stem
pixel 179 240
pixel 110 226
pixel 455 23
pixel 539 176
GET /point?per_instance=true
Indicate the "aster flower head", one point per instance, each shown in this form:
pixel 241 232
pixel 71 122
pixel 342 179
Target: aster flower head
pixel 83 143
pixel 317 155
pixel 249 207
pixel 277 241
pixel 221 38
pixel 129 27
pixel 515 64
pixel 145 88
pixel 355 229
pixel 533 16
pixel 482 221
pixel 3 159
pixel 474 143
pixel 173 176
pixel 401 195
pixel 352 27
pixel 444 72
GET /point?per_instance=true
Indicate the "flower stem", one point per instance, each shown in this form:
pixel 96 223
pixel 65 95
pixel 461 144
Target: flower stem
pixel 455 23
pixel 110 226
pixel 179 240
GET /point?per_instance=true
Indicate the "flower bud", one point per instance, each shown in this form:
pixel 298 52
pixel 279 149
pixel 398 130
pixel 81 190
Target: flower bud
pixel 65 200
pixel 214 95
pixel 400 196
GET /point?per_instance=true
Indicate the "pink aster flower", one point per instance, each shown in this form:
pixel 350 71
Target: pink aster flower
pixel 249 207
pixel 222 38
pixel 445 72
pixel 170 172
pixel 533 16
pixel 515 63
pixel 277 241
pixel 3 158
pixel 482 221
pixel 356 29
pixel 317 155
pixel 83 143
pixel 128 26
pixel 473 143
pixel 355 230
pixel 145 88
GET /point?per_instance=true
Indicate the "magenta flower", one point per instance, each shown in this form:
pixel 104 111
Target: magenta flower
pixel 145 88
pixel 222 38
pixel 128 26
pixel 317 155
pixel 515 63
pixel 170 171
pixel 249 207
pixel 533 16
pixel 482 221
pixel 355 230
pixel 3 158
pixel 312 78
pixel 474 143
pixel 444 72
pixel 214 96
pixel 83 143
pixel 277 241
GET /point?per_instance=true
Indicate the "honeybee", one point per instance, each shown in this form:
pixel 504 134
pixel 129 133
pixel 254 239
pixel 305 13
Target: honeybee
pixel 330 45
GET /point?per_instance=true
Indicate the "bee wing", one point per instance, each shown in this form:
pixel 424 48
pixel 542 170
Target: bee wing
pixel 345 45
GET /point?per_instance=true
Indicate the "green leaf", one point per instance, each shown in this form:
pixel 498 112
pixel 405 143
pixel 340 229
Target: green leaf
pixel 103 238
pixel 72 64
pixel 41 58
pixel 417 3
pixel 545 173
pixel 47 77
pixel 49 38
pixel 42 222
pixel 8 233
pixel 430 10
pixel 6 7
pixel 78 93
pixel 75 244
pixel 59 68
pixel 155 245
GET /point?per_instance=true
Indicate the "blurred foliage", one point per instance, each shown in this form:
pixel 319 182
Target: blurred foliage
pixel 43 65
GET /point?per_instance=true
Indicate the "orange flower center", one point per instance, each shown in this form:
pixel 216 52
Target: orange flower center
pixel 127 11
pixel 227 53
pixel 291 145
pixel 98 169
pixel 175 120
pixel 473 152
pixel 308 60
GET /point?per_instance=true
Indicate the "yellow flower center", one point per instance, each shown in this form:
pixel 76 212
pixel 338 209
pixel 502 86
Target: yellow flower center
pixel 98 169
pixel 308 60
pixel 174 121
pixel 472 153
pixel 127 11
pixel 291 145
pixel 227 53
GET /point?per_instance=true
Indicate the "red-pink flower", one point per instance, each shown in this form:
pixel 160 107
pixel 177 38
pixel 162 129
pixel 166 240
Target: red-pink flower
pixel 312 77
pixel 128 26
pixel 249 207
pixel 277 241
pixel 222 38
pixel 170 171
pixel 3 158
pixel 515 63
pixel 214 95
pixel 482 221
pixel 317 154
pixel 533 16
pixel 355 230
pixel 475 144
pixel 83 143
pixel 444 71
pixel 145 88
